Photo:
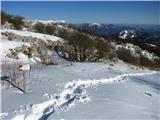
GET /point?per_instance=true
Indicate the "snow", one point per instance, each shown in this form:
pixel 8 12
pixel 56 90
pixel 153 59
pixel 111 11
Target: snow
pixel 87 91
pixel 69 90
pixel 125 100
pixel 123 34
pixel 24 58
pixel 6 45
pixel 148 55
pixel 19 117
pixel 33 34
pixel 152 45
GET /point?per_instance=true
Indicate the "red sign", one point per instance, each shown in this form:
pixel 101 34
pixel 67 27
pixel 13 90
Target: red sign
pixel 24 67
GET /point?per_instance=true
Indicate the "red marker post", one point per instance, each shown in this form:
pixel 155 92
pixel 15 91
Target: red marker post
pixel 24 68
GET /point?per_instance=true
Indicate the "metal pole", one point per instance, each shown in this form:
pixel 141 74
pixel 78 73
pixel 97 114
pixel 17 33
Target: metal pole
pixel 24 82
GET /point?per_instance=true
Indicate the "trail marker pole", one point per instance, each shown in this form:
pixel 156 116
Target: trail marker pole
pixel 24 82
pixel 24 68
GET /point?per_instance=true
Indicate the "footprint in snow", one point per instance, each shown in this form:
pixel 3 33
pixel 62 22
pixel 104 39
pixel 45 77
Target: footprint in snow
pixel 149 94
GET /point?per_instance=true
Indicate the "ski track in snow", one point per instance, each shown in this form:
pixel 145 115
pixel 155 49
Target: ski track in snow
pixel 72 91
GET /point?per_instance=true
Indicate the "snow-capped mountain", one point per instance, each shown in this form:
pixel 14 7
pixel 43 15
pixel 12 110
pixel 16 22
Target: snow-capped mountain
pixel 50 21
pixel 127 34
pixel 109 29
pixel 95 24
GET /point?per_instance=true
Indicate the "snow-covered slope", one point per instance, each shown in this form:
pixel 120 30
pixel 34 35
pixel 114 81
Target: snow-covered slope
pixel 33 34
pixel 72 91
pixel 94 91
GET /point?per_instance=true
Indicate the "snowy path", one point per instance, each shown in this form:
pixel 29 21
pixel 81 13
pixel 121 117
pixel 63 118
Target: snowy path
pixel 72 91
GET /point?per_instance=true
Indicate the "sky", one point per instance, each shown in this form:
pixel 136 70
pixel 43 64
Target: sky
pixel 124 12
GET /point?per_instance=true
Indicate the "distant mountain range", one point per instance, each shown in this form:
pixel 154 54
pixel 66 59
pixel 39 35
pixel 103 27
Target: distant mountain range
pixel 144 33
pixel 109 29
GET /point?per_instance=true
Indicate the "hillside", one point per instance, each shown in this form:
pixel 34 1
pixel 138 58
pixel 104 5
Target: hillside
pixel 75 44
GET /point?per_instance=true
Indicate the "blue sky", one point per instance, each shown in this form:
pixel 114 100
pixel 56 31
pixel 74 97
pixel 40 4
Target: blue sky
pixel 134 12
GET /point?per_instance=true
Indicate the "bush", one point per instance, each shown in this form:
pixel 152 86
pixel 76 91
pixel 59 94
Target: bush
pixel 46 29
pixel 83 47
pixel 126 56
pixel 17 21
pixel 63 33
pixel 157 63
pixel 149 63
pixel 50 29
pixel 104 49
pixel 144 61
pixel 39 27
